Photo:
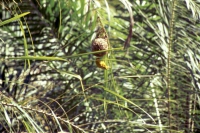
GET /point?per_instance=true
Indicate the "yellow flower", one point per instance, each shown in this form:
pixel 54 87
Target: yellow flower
pixel 101 64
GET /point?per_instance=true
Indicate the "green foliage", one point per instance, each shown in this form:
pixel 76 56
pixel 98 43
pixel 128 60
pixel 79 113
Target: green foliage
pixel 50 82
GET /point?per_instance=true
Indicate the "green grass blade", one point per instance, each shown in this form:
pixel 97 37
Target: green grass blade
pixel 14 18
pixel 38 58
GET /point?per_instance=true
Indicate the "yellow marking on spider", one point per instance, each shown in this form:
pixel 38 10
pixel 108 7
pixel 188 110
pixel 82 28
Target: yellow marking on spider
pixel 101 64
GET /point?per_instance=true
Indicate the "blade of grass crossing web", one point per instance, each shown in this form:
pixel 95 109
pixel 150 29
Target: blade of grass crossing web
pixel 57 58
pixel 38 58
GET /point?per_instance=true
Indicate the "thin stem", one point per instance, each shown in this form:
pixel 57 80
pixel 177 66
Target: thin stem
pixel 169 60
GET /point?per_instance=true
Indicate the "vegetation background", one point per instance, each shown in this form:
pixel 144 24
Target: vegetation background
pixel 50 82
